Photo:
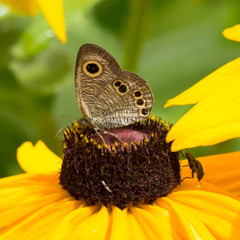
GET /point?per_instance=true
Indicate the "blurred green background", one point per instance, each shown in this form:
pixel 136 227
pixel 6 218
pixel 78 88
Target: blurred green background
pixel 172 44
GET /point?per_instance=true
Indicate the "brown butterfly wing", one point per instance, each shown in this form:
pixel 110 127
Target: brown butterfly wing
pixel 107 96
pixel 88 85
pixel 127 99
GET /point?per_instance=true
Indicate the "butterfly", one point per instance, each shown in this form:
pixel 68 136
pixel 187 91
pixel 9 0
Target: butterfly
pixel 107 96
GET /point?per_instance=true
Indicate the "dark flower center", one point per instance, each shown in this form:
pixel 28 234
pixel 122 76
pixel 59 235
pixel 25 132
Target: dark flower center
pixel 111 172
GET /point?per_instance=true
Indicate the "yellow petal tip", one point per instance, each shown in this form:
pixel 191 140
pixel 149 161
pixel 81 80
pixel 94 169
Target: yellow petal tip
pixel 38 158
pixel 168 104
pixel 63 38
pixel 232 33
pixel 53 12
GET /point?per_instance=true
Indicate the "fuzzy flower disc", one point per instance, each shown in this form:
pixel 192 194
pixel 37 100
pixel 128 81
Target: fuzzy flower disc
pixel 112 173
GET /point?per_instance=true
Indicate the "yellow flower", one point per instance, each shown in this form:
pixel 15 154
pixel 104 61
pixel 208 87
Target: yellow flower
pixel 52 10
pixel 215 117
pixel 34 206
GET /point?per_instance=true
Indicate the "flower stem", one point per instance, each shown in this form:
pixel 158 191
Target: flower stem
pixel 135 32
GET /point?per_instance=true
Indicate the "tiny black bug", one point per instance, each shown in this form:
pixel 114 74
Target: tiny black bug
pixel 195 166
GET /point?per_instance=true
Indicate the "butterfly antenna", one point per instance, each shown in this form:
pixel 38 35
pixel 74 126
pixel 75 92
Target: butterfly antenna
pixel 63 128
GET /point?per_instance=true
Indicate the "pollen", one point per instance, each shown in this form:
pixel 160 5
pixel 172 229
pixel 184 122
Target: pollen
pixel 86 139
pixel 145 140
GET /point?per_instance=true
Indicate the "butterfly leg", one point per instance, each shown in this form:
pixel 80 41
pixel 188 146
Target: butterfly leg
pixel 106 132
pixel 100 136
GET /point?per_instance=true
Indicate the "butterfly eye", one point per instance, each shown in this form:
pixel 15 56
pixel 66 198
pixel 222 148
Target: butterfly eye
pixel 123 88
pixel 117 83
pixel 144 112
pixel 137 94
pixel 92 68
pixel 140 102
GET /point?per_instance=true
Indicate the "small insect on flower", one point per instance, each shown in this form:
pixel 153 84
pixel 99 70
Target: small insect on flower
pixel 195 166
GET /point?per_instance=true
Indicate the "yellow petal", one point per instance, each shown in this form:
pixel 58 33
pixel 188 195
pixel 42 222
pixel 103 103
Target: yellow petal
pixel 42 223
pixel 38 158
pixel 93 227
pixel 152 226
pixel 214 118
pixel 232 33
pixel 191 184
pixel 203 215
pixel 24 194
pixel 222 170
pixel 208 85
pixel 221 175
pixel 16 192
pixel 119 218
pixel 137 230
pixel 23 208
pixel 26 7
pixel 165 221
pixel 53 11
pixel 69 224
pixel 212 208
